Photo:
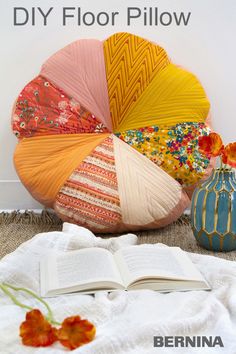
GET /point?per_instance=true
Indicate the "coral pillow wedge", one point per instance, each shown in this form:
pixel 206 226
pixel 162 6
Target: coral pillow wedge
pixel 108 134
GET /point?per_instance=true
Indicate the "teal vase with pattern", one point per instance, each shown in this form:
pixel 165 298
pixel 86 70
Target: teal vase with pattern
pixel 213 211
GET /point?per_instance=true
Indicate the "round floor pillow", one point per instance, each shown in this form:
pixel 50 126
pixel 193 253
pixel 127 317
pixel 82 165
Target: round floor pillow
pixel 108 134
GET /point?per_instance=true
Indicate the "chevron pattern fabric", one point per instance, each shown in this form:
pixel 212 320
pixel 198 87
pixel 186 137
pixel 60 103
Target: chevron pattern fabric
pixel 131 64
pixel 108 134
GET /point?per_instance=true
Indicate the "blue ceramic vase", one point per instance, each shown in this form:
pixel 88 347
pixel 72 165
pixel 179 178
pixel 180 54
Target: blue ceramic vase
pixel 213 211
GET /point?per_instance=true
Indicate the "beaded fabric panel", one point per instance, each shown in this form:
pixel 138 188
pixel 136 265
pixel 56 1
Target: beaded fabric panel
pixel 174 148
pixel 44 109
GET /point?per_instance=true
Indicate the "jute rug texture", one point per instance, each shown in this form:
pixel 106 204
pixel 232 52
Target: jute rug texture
pixel 16 228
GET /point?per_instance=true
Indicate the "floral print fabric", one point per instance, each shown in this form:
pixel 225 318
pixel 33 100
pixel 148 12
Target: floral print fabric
pixel 43 109
pixel 175 149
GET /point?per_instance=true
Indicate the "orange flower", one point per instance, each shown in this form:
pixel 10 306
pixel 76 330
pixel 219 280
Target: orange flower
pixel 211 144
pixel 229 154
pixel 75 332
pixel 36 331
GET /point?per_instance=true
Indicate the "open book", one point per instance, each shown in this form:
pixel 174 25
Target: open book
pixel 135 267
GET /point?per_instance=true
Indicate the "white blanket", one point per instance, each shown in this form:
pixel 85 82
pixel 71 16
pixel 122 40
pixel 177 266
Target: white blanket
pixel 126 322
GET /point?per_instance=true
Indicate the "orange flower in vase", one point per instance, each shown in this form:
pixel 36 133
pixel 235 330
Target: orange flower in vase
pixel 211 145
pixel 36 331
pixel 229 155
pixel 213 215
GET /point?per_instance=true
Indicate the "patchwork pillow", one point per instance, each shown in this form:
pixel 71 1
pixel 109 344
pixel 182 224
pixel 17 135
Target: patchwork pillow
pixel 108 134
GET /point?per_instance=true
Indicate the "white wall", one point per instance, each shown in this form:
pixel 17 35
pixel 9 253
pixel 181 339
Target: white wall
pixel 207 46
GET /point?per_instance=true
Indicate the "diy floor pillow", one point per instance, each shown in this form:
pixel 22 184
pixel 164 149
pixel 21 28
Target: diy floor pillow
pixel 108 134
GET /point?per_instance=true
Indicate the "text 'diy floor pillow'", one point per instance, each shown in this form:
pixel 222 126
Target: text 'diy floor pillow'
pixel 108 134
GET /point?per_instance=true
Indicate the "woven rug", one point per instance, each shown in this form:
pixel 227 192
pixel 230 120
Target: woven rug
pixel 16 228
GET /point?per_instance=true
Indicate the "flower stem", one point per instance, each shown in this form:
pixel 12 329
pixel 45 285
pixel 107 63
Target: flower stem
pixel 13 298
pixel 50 314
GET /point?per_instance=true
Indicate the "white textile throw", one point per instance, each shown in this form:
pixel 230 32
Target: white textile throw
pixel 126 322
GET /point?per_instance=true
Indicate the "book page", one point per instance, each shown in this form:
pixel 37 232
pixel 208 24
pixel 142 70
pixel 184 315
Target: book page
pixel 153 261
pixel 86 266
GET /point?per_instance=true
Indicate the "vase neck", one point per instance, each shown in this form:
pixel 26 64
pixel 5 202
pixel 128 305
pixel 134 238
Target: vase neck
pixel 223 173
